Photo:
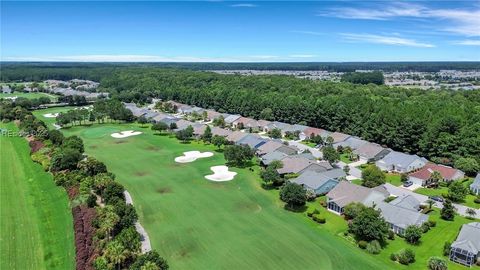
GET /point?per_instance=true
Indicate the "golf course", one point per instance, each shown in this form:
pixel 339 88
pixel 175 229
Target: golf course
pixel 199 224
pixel 36 229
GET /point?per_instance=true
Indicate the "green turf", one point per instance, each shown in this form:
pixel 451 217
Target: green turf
pixel 197 224
pixel 30 95
pixel 469 199
pixel 36 227
pixel 345 158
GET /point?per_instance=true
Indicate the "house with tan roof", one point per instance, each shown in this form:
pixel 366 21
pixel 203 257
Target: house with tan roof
pixel 345 193
pixel 235 136
pixel 371 152
pixel 221 131
pixel 268 147
pixel 339 137
pixel 297 164
pixel 422 176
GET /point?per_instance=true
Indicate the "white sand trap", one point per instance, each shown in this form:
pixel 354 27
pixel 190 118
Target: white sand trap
pixel 191 156
pixel 125 134
pixel 220 174
pixel 50 115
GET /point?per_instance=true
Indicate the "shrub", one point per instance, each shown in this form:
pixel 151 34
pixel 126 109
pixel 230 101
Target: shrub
pixel 432 223
pixel 319 219
pixel 374 247
pixel 323 203
pixel 91 201
pixel 406 256
pixel 477 200
pixel 310 213
pixel 391 235
pixel 362 244
pixel 446 248
pixel 393 257
pixel 425 227
pixel 42 160
pixel 437 263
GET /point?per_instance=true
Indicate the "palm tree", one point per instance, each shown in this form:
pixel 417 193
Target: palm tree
pixel 116 254
pixel 430 203
pixel 471 213
pixel 150 266
pixel 434 178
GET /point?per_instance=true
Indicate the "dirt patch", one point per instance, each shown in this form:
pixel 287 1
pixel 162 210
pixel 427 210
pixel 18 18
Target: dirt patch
pixel 248 207
pixel 140 173
pixel 164 190
pixel 93 147
pixel 152 148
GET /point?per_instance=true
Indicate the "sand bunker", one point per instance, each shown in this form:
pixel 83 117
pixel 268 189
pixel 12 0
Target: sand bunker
pixel 50 115
pixel 125 134
pixel 192 156
pixel 220 174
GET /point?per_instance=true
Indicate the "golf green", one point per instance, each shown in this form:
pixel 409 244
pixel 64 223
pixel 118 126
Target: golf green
pixel 199 224
pixel 36 227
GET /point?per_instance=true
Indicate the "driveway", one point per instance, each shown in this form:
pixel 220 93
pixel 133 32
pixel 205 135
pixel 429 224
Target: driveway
pixel 399 191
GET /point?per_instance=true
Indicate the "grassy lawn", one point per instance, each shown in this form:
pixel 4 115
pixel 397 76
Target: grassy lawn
pixel 30 95
pixel 198 224
pixel 36 227
pixel 345 158
pixel 393 179
pixel 469 200
pixel 308 143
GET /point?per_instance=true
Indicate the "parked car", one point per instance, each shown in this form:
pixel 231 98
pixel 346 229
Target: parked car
pixel 407 183
pixel 436 198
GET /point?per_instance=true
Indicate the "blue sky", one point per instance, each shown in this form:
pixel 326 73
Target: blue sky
pixel 252 31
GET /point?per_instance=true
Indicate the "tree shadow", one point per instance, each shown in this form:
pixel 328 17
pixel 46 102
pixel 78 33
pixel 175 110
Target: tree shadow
pixel 219 150
pixel 295 208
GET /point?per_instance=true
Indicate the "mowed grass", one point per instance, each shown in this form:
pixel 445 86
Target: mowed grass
pixel 198 224
pixel 36 227
pixel 30 95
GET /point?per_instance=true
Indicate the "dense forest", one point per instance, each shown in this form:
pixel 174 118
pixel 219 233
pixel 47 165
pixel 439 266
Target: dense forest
pixel 441 125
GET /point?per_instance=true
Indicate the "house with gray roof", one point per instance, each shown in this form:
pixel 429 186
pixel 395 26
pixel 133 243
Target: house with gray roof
pixel 271 156
pixel 253 141
pixel 352 142
pixel 371 152
pixel 229 119
pixel 183 124
pixel 399 218
pixel 150 114
pixel 283 127
pixel 466 248
pixel 400 162
pixel 199 129
pixel 287 149
pixel 6 89
pixel 221 132
pixel 298 164
pixel 407 202
pixel 345 193
pixel 269 146
pixel 475 186
pixel 320 182
pixel 236 136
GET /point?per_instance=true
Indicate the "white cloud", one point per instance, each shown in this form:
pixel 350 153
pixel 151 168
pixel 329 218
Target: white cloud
pixel 459 21
pixel 387 40
pixel 244 5
pixel 468 42
pixel 142 58
pixel 313 33
pixel 302 55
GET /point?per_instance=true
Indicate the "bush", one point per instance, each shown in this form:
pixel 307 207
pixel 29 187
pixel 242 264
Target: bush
pixel 477 200
pixel 319 219
pixel 446 248
pixel 406 256
pixel 391 235
pixel 92 201
pixel 42 160
pixel 425 227
pixel 374 247
pixel 432 223
pixel 362 244
pixel 393 257
pixel 437 263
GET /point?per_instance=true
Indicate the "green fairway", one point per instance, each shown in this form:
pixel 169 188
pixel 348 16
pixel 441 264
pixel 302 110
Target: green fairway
pixel 36 227
pixel 30 95
pixel 198 224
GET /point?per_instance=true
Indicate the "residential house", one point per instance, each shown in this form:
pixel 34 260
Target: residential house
pixel 271 156
pixel 269 146
pixel 475 186
pixel 422 176
pixel 198 129
pixel 283 127
pixel 320 182
pixel 466 248
pixel 287 149
pixel 230 118
pixel 339 137
pixel 149 115
pixel 221 132
pixel 352 142
pixel 407 202
pixel 262 124
pixel 183 124
pixel 401 162
pixel 399 218
pixel 309 131
pixel 244 122
pixel 345 193
pixel 371 152
pixel 235 136
pixel 253 141
pixel 297 165
pixel 211 114
pixel 136 111
pixel 6 89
